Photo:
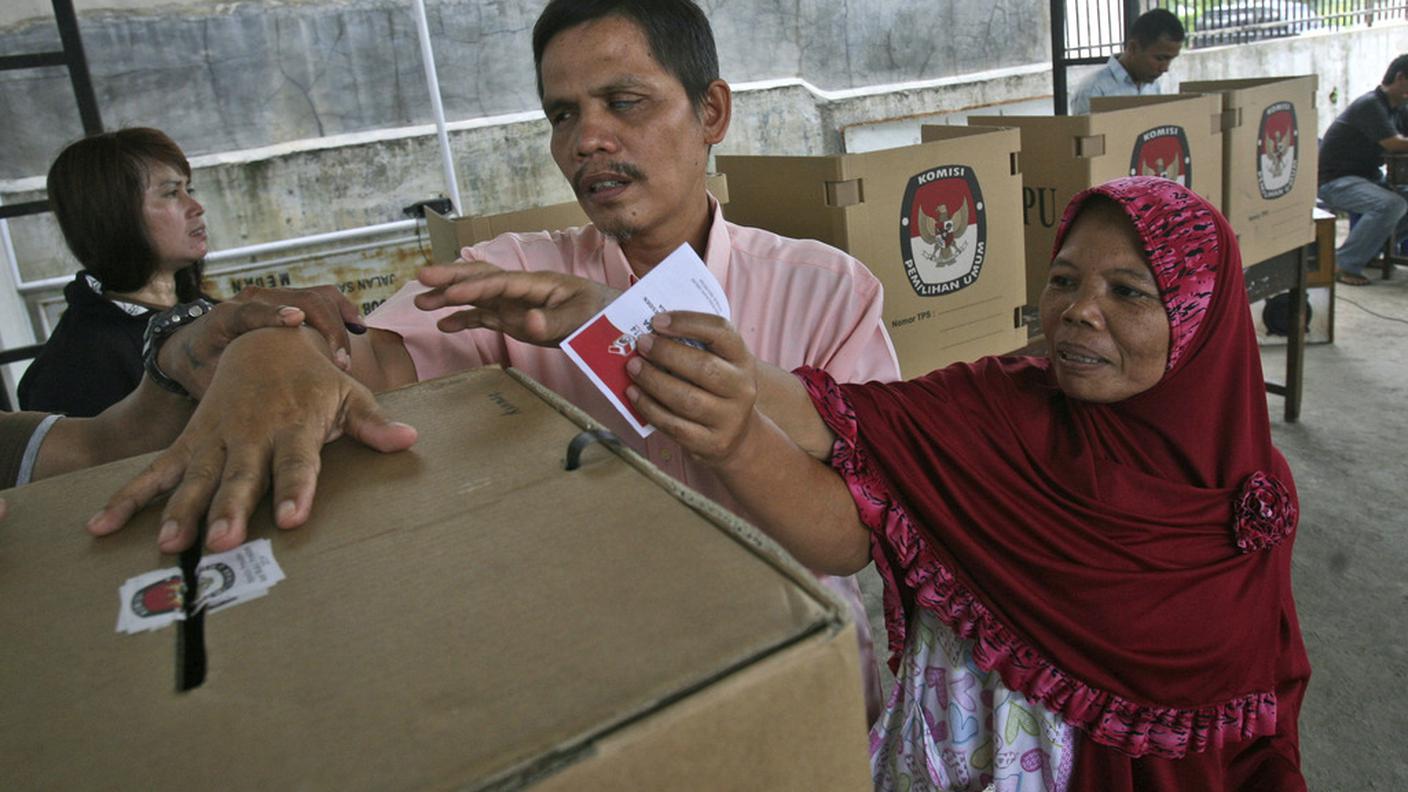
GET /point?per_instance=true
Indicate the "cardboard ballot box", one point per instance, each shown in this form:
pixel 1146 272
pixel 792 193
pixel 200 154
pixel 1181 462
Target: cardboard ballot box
pixel 1178 137
pixel 465 615
pixel 449 234
pixel 937 223
pixel 1269 161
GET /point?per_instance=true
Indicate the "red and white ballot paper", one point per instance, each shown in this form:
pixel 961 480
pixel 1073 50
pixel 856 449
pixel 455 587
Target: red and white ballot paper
pixel 602 347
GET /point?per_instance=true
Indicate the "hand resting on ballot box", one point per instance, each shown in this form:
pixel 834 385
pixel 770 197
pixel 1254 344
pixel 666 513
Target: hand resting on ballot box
pixel 190 356
pixel 275 399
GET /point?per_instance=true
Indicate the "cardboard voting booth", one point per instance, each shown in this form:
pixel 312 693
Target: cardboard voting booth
pixel 1269 161
pixel 467 614
pixel 1176 137
pixel 938 223
pixel 449 234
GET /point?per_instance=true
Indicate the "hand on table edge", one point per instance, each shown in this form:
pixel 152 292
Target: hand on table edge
pixel 275 400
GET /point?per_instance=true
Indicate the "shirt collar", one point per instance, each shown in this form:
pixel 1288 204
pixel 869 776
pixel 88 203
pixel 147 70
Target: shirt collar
pixel 717 252
pixel 131 309
pixel 1120 72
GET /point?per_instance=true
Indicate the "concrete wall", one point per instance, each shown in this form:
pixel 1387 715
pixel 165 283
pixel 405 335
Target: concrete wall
pixel 232 76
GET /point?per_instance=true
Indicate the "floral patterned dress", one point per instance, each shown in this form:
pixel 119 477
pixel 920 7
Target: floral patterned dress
pixel 951 726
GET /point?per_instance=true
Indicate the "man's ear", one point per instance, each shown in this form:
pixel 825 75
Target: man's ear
pixel 715 111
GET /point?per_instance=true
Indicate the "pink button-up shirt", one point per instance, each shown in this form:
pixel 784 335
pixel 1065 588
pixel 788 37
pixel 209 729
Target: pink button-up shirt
pixel 794 302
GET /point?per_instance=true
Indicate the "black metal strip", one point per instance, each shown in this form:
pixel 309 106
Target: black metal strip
pixel 21 209
pixel 33 60
pixel 78 66
pixel 1058 57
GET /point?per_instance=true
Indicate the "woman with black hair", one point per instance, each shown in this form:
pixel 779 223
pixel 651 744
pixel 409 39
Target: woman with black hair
pixel 124 202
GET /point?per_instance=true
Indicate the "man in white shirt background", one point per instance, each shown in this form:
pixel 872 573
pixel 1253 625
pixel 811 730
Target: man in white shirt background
pixel 1154 40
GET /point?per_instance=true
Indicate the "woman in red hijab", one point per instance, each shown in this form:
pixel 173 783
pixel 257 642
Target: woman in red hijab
pixel 1086 556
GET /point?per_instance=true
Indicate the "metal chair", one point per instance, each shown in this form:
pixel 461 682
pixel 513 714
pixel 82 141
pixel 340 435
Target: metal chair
pixel 8 356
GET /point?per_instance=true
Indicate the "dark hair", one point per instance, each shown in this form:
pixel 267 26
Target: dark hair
pixel 1399 66
pixel 679 35
pixel 1156 23
pixel 96 187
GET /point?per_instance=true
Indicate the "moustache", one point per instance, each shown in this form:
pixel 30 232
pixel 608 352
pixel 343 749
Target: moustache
pixel 623 168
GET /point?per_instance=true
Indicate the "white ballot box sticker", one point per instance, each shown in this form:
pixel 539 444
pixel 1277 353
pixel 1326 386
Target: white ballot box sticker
pixel 154 600
pixel 603 345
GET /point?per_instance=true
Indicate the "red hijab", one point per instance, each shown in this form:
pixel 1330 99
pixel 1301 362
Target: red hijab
pixel 1128 564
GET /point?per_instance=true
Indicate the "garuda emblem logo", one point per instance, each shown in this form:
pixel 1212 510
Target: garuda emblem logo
pixel 1276 160
pixel 944 233
pixel 943 230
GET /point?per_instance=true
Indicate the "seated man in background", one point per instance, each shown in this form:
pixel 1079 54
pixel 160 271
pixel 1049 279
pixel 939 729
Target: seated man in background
pixel 633 95
pixel 1154 40
pixel 1351 171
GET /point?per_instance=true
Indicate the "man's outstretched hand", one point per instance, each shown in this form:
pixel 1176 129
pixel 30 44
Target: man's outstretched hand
pixel 539 308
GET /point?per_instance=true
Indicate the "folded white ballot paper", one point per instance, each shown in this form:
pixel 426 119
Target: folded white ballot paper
pixel 602 347
pixel 153 600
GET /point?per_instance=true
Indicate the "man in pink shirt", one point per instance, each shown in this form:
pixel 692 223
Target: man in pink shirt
pixel 635 102
pixel 633 115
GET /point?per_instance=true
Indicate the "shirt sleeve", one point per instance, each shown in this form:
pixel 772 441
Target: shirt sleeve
pixel 1373 120
pixel 865 352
